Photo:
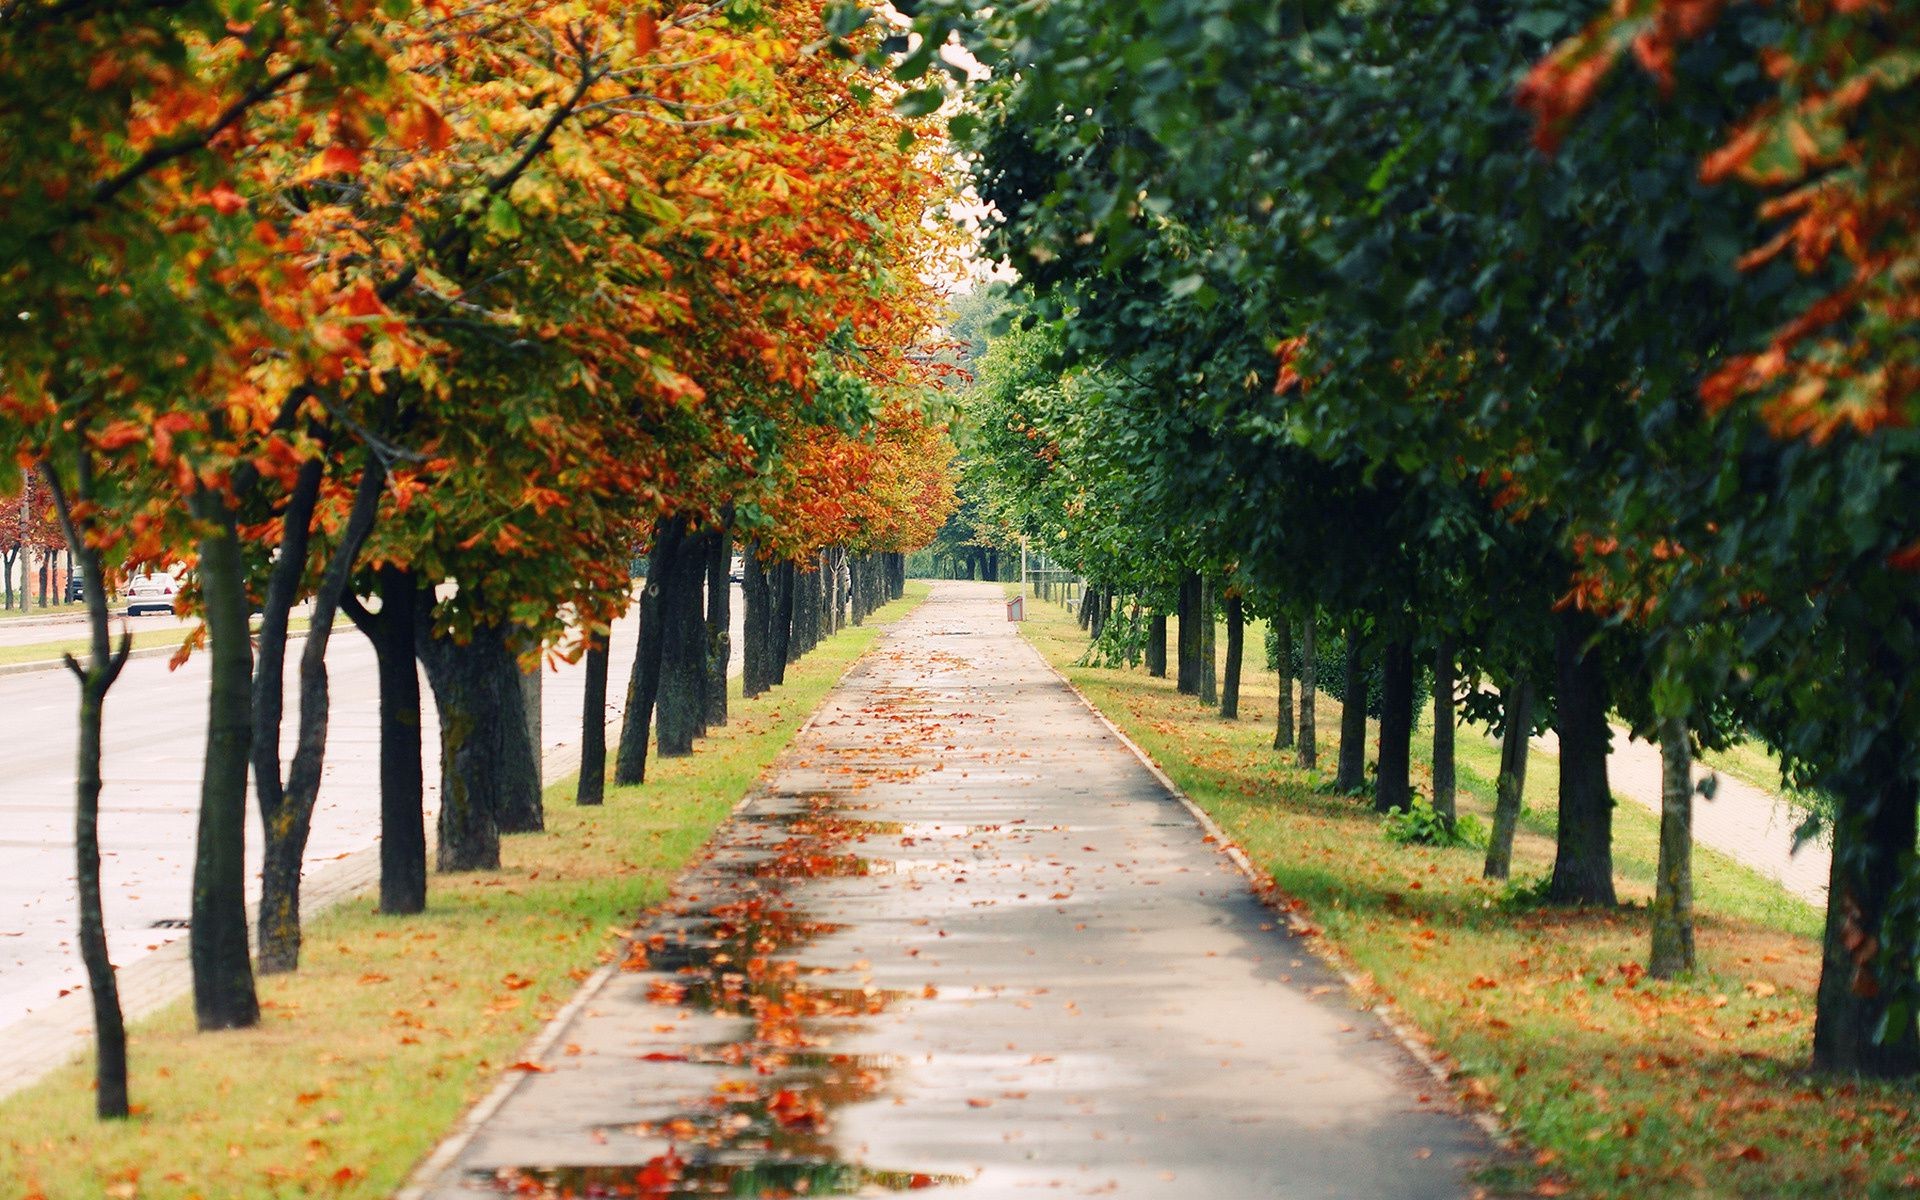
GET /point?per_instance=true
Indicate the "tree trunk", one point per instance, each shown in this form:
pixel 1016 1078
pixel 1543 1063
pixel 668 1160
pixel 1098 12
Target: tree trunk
pixel 104 661
pixel 1283 654
pixel 1672 952
pixel 682 696
pixel 781 650
pixel 1511 787
pixel 533 689
pixel 1236 651
pixel 1209 668
pixel 403 829
pixel 1583 859
pixel 287 823
pixel 1443 729
pixel 1392 782
pixel 1351 773
pixel 1862 987
pixel 757 630
pixel 223 992
pixel 1309 692
pixel 592 786
pixel 1187 644
pixel 1157 645
pixel 487 780
pixel 643 685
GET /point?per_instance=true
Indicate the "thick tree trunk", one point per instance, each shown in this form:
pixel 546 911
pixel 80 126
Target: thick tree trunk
pixel 643 685
pixel 592 786
pixel 403 830
pixel 1283 653
pixel 287 824
pixel 683 671
pixel 1157 645
pixel 757 630
pixel 781 650
pixel 1512 783
pixel 1187 643
pixel 104 661
pixel 1672 951
pixel 223 992
pixel 488 784
pixel 1862 986
pixel 533 691
pixel 1236 651
pixel 1443 729
pixel 1209 667
pixel 1351 773
pixel 1583 859
pixel 1392 782
pixel 1309 694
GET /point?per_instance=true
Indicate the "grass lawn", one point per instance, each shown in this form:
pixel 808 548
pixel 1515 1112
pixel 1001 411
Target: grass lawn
pixel 393 1026
pixel 1616 1085
pixel 42 610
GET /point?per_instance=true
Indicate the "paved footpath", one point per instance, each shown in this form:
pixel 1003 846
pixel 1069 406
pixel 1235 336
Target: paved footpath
pixel 962 938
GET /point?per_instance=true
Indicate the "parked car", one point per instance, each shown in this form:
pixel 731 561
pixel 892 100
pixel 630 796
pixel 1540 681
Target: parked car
pixel 76 589
pixel 151 593
pixel 737 569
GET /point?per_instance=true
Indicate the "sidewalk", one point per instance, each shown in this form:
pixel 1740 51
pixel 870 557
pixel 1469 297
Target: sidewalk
pixel 1751 826
pixel 962 937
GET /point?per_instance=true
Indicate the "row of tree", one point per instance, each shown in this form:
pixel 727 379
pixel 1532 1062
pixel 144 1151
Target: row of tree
pixel 436 315
pixel 1428 328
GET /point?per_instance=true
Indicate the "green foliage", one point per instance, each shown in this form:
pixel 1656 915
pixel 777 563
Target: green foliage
pixel 1422 826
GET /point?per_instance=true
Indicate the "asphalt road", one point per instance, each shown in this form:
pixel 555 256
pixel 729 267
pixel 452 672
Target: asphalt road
pixel 155 730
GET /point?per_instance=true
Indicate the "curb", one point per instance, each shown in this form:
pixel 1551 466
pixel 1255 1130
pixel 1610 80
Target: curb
pixel 59 664
pixel 1382 1007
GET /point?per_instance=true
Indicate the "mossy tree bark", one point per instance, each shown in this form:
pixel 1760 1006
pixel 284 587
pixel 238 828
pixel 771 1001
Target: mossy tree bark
pixel 223 988
pixel 1209 667
pixel 1511 785
pixel 1672 912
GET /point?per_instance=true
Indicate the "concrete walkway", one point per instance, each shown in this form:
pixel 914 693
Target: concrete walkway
pixel 1752 826
pixel 961 938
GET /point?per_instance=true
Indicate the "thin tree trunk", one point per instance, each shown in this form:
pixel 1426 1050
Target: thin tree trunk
pixel 1392 782
pixel 1861 980
pixel 1187 644
pixel 756 652
pixel 104 661
pixel 780 651
pixel 1157 645
pixel 719 627
pixel 1236 651
pixel 1351 773
pixel 1209 668
pixel 643 686
pixel 1511 786
pixel 1443 730
pixel 223 991
pixel 1583 858
pixel 403 828
pixel 1283 654
pixel 1309 694
pixel 1672 951
pixel 592 787
pixel 287 825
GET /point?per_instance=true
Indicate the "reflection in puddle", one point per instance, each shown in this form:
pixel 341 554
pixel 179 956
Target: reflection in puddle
pixel 730 950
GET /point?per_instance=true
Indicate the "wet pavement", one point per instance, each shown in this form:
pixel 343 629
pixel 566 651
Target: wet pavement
pixel 963 941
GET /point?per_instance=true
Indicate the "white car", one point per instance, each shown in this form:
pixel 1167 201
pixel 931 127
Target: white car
pixel 151 593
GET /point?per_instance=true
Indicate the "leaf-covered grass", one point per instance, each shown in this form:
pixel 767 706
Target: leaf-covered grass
pixel 1616 1085
pixel 393 1026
